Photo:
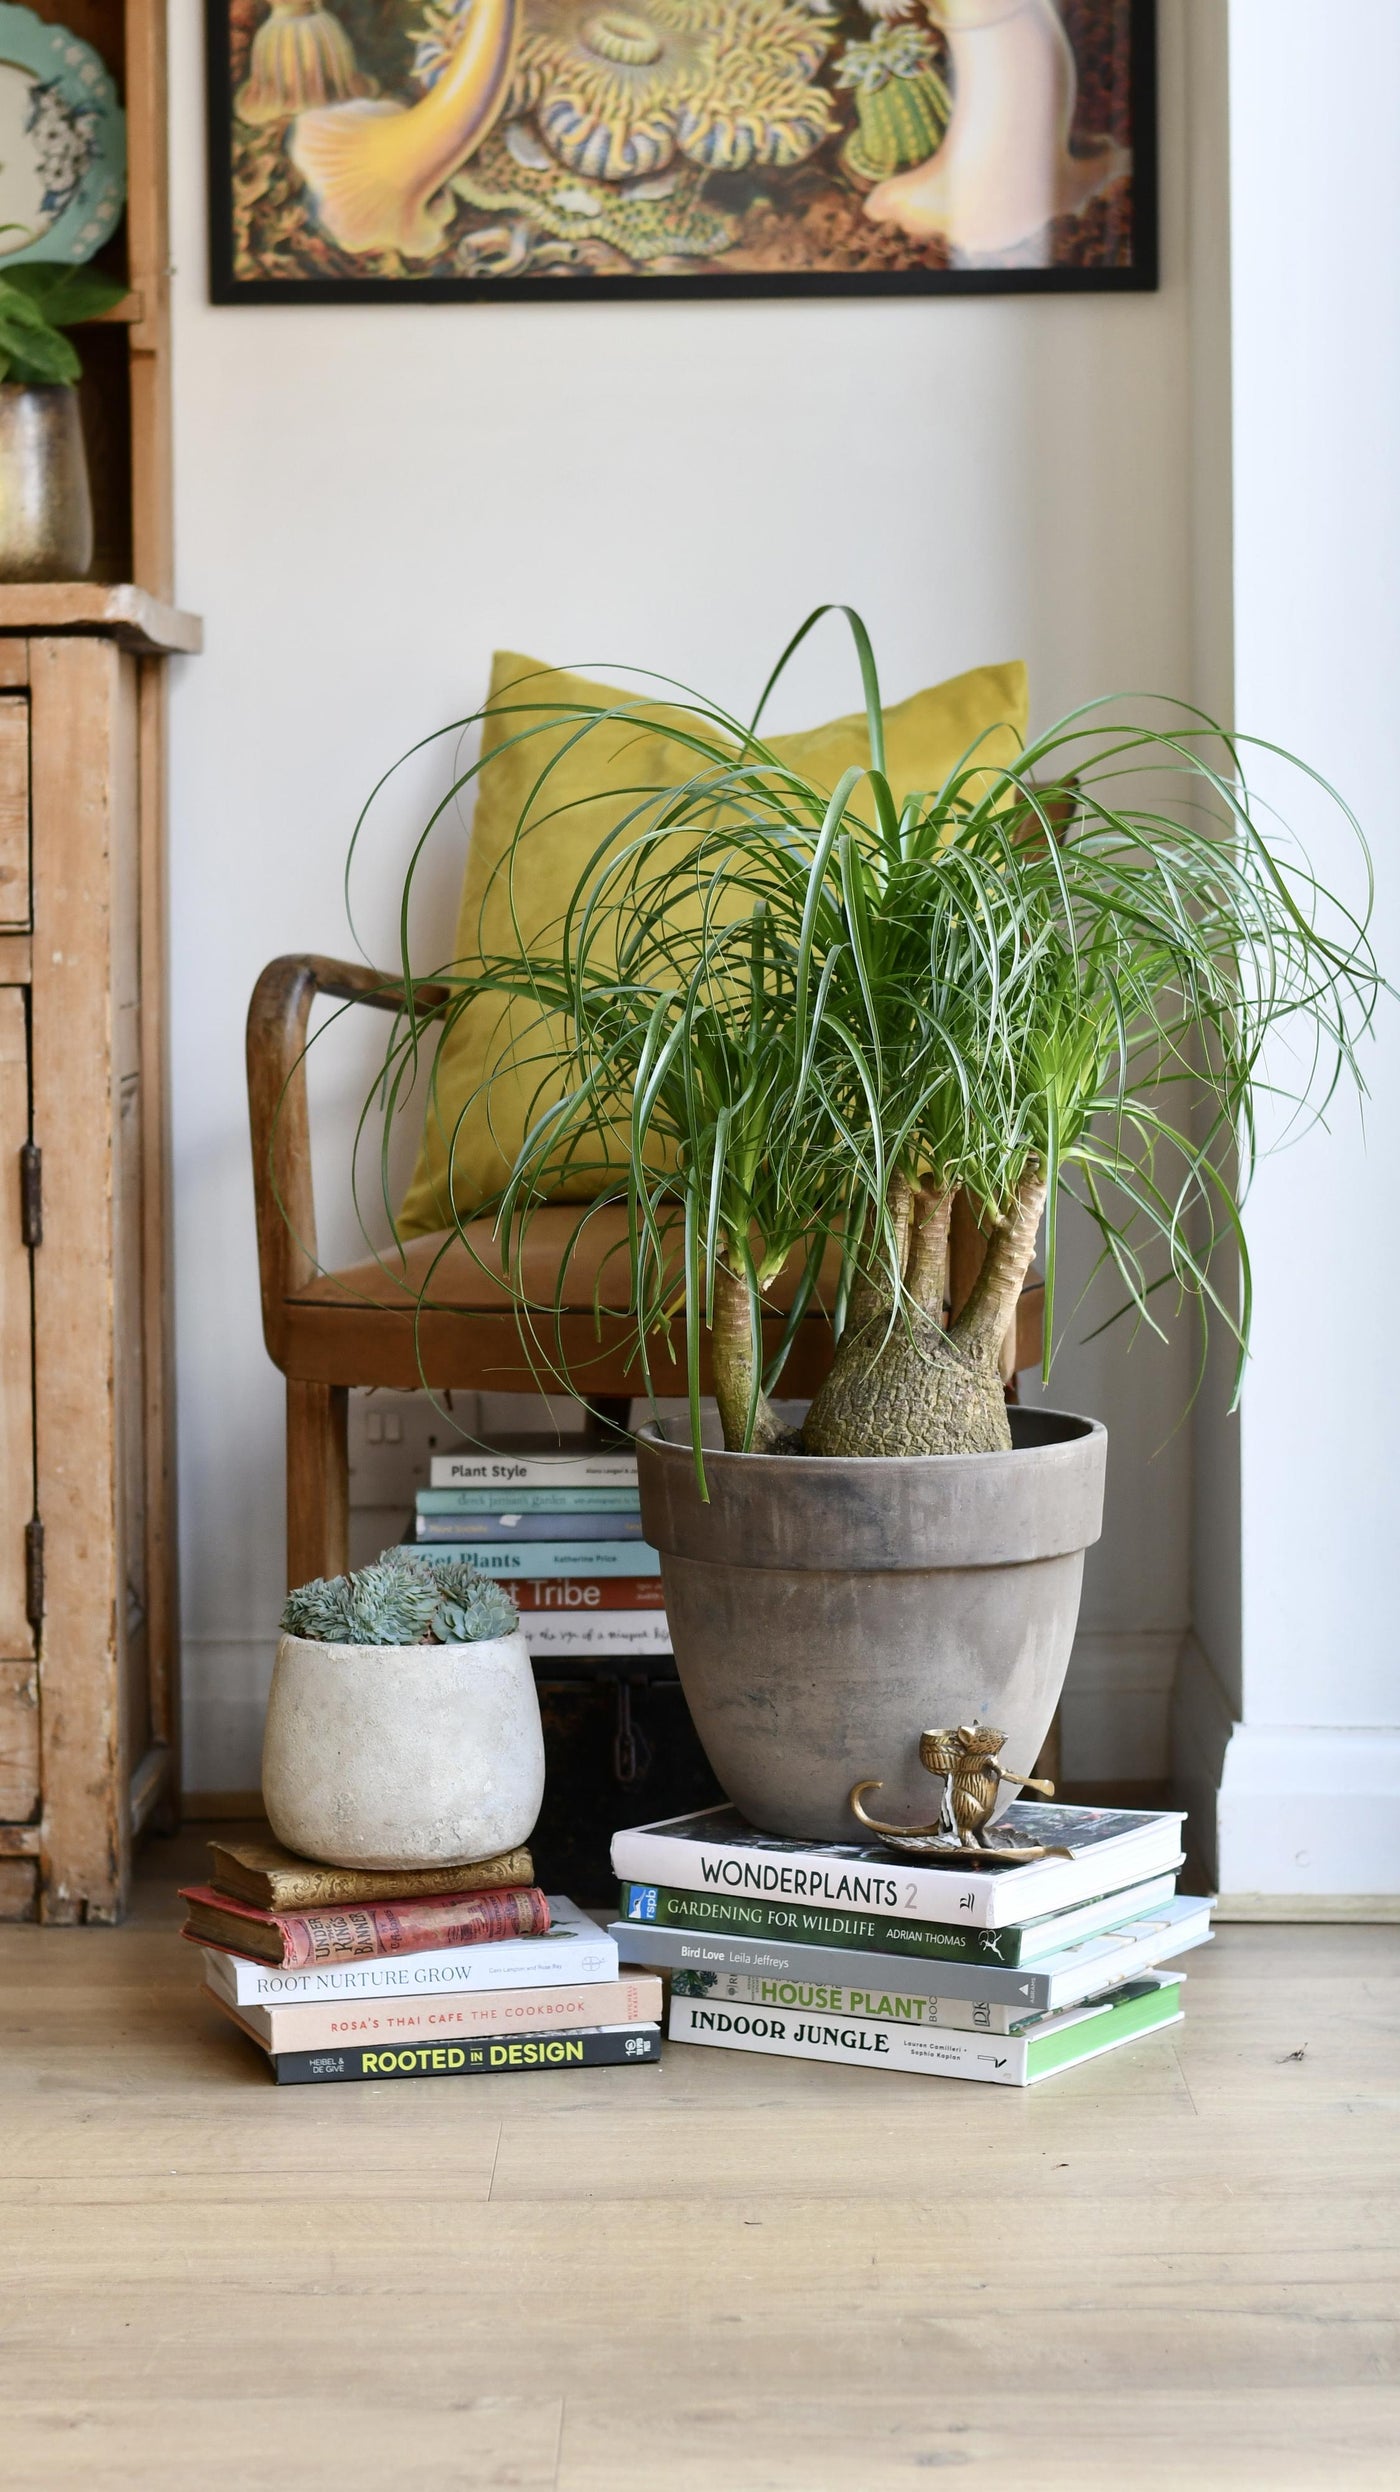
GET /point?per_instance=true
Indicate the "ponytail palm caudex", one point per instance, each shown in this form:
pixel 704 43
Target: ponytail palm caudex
pixel 798 1021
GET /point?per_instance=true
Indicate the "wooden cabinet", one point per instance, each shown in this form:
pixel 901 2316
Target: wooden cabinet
pixel 88 1696
pixel 88 1711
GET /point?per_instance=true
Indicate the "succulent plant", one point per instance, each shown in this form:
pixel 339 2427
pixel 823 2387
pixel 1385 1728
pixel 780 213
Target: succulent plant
pixel 319 1610
pixel 469 1607
pixel 404 1599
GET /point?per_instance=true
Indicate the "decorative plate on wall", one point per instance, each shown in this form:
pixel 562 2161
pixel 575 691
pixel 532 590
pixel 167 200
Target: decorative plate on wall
pixel 407 149
pixel 62 143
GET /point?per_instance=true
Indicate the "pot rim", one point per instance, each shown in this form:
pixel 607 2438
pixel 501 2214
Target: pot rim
pixel 1081 1430
pixel 430 1650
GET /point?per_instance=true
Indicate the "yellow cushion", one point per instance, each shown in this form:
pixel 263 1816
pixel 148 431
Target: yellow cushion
pixel 493 1066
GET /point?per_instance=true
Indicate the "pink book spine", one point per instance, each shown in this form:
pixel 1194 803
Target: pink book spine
pixel 351 1932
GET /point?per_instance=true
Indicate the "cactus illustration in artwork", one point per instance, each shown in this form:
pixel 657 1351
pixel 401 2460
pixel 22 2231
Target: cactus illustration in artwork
pixel 902 104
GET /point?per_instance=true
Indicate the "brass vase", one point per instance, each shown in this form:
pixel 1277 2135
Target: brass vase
pixel 45 499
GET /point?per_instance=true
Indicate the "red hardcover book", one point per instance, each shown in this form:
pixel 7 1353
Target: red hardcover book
pixel 297 1942
pixel 581 1592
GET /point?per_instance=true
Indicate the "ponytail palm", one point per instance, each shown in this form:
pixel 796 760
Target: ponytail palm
pixel 801 1021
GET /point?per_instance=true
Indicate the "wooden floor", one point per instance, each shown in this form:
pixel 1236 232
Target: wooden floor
pixel 1175 2267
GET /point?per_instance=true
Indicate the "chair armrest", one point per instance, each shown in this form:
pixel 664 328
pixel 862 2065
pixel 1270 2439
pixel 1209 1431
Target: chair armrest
pixel 277 1108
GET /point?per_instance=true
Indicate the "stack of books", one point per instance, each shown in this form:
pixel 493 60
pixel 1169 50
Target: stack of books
pixel 1002 1971
pixel 564 1530
pixel 468 1971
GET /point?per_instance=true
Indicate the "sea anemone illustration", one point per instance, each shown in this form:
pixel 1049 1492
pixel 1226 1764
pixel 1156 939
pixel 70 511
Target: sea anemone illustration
pixel 617 92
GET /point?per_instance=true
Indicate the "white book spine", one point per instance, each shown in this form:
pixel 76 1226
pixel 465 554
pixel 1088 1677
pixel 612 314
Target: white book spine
pixel 954 1897
pixel 516 1964
pixel 578 1634
pixel 810 1998
pixel 534 1471
pixel 849 2042
pixel 989 2059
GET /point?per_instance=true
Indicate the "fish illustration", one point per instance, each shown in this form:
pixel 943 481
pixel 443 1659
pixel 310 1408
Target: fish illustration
pixel 378 171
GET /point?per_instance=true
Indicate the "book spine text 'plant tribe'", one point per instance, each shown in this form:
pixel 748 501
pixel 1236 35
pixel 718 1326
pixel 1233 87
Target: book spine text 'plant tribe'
pixel 620 2046
pixel 575 1592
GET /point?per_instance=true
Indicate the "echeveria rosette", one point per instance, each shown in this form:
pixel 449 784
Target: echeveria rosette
pixel 404 1599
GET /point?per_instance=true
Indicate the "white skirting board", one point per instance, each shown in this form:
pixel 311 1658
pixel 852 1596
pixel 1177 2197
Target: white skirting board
pixel 1293 1820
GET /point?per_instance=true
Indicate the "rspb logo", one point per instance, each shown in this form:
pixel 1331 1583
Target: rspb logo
pixel 641 1904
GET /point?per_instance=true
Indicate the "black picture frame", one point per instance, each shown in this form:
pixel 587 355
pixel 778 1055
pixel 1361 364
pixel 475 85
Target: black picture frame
pixel 1139 275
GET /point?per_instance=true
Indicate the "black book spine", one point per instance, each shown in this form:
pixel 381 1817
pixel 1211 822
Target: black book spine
pixel 627 2046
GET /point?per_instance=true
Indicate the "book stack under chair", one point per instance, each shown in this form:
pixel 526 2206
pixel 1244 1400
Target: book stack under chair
pixel 339 1974
pixel 1005 1972
pixel 564 1530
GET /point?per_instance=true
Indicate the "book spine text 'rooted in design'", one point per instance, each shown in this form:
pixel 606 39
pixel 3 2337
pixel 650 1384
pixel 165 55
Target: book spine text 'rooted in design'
pixel 615 2047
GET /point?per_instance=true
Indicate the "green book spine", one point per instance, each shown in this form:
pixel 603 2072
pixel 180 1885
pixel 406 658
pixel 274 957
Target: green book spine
pixel 1084 2041
pixel 674 1908
pixel 534 1559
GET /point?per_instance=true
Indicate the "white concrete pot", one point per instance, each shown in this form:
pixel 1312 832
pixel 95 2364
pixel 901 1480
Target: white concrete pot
pixel 402 1756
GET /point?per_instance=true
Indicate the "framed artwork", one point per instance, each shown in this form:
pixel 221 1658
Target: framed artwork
pixel 543 149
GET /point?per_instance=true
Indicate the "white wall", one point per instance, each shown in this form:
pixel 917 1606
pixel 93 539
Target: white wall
pixel 1310 1797
pixel 369 500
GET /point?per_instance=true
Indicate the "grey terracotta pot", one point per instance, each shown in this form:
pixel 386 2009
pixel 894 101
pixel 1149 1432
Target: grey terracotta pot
pixel 825 1612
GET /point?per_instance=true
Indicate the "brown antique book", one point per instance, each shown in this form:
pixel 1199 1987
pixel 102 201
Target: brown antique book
pixel 347 1933
pixel 262 1871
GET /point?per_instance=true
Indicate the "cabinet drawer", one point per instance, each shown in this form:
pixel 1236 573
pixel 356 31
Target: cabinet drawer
pixel 14 810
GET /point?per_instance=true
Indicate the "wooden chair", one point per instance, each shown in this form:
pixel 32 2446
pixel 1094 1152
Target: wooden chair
pixel 329 1331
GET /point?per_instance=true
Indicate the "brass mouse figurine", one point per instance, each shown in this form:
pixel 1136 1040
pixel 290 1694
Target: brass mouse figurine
pixel 967 1758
